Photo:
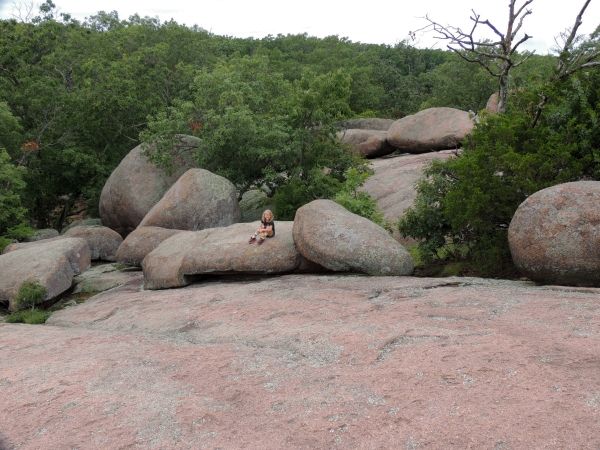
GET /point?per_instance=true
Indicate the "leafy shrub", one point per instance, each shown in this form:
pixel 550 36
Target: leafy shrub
pixel 30 294
pixel 357 201
pixel 30 316
pixel 464 205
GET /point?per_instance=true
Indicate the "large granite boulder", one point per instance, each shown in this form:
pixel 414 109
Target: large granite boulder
pixel 431 129
pixel 140 242
pixel 51 263
pixel 368 143
pixel 103 241
pixel 220 251
pixel 330 235
pixel 137 184
pixel 554 235
pixel 199 199
pixel 392 184
pixel 369 123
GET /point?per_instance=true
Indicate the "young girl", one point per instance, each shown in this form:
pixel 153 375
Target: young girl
pixel 266 228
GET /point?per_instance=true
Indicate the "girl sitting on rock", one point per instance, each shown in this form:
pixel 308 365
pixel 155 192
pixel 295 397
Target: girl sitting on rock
pixel 266 228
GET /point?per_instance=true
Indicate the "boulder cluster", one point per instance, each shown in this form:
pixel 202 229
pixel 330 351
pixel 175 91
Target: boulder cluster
pixel 429 130
pixel 185 223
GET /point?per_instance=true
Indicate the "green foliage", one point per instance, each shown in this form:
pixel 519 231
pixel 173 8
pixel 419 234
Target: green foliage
pixel 356 201
pixel 257 128
pixel 465 204
pixel 30 294
pixel 74 97
pixel 29 316
pixel 12 212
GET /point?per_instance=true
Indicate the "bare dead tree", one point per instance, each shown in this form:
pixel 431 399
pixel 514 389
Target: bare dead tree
pixel 574 54
pixel 498 57
pixel 22 10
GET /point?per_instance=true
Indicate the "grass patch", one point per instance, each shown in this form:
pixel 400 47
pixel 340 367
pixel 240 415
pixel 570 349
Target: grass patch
pixel 30 316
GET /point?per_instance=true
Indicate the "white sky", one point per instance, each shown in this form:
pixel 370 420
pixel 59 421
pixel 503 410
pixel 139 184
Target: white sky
pixel 374 21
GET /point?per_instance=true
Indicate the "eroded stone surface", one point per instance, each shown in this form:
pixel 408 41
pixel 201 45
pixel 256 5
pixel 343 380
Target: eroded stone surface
pixel 140 242
pixel 333 237
pixel 220 251
pixel 309 362
pixel 393 183
pixel 554 235
pixel 368 143
pixel 199 199
pixel 431 129
pixel 51 263
pixel 137 184
pixel 103 241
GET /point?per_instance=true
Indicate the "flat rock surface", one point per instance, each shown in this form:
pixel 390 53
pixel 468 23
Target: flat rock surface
pixel 393 183
pixel 309 362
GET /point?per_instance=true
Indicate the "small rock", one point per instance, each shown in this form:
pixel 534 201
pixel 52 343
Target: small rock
pixel 103 241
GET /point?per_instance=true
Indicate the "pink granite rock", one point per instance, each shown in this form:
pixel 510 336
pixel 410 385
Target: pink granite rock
pixel 178 259
pixel 103 241
pixel 431 129
pixel 198 199
pixel 140 242
pixel 333 237
pixel 51 263
pixel 367 143
pixel 349 362
pixel 393 183
pixel 137 184
pixel 554 235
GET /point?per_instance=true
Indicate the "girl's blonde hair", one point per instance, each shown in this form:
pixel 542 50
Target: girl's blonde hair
pixel 265 212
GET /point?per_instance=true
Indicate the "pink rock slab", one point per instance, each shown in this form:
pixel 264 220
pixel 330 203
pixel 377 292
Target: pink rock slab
pixel 309 362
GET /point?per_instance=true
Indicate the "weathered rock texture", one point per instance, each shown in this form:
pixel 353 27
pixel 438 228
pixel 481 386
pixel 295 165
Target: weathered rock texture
pixel 430 129
pixel 199 199
pixel 87 222
pixel 220 251
pixel 103 277
pixel 140 242
pixel 40 235
pixel 348 362
pixel 372 123
pixel 368 143
pixel 554 235
pixel 335 238
pixel 103 241
pixel 492 103
pixel 21 245
pixel 51 263
pixel 393 183
pixel 136 185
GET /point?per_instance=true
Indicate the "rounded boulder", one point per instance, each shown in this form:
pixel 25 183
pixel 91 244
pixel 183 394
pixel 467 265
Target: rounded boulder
pixel 431 129
pixel 368 143
pixel 137 184
pixel 140 242
pixel 199 199
pixel 333 237
pixel 103 241
pixel 554 235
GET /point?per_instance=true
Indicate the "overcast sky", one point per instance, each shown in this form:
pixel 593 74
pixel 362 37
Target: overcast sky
pixel 374 21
